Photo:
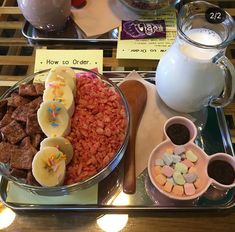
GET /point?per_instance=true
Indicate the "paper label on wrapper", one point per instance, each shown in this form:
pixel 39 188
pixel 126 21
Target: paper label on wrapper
pixel 151 49
pixel 46 59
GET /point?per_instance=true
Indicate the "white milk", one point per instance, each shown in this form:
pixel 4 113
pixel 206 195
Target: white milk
pixel 186 77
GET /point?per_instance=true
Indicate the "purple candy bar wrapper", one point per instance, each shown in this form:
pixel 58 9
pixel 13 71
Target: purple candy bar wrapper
pixel 143 29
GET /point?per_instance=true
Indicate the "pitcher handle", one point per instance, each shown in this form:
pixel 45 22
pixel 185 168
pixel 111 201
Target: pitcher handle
pixel 227 95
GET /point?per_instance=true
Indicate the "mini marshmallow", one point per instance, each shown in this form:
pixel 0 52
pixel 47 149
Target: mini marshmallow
pixel 157 170
pixel 167 171
pixel 168 187
pixel 171 180
pixel 190 177
pixel 178 190
pixel 198 183
pixel 191 156
pixel 159 162
pixel 181 168
pixel 179 150
pixel 176 159
pixel 167 158
pixel 192 170
pixel 160 179
pixel 189 189
pixel 169 151
pixel 178 178
pixel 188 163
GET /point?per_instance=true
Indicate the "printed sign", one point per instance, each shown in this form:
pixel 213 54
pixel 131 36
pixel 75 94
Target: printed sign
pixel 46 59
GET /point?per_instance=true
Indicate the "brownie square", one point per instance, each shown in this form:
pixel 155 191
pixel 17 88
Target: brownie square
pixel 13 132
pixel 7 117
pixel 39 88
pixel 36 139
pixel 32 126
pixel 35 104
pixel 21 113
pixel 22 159
pixel 27 90
pixel 5 151
pixel 18 173
pixel 16 100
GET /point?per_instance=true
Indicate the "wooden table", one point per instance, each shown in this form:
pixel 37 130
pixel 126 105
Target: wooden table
pixel 17 60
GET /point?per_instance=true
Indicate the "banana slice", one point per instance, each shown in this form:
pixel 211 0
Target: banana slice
pixel 63 74
pixel 53 119
pixel 48 167
pixel 61 144
pixel 58 91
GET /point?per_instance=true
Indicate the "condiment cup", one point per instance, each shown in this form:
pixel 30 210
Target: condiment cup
pixel 230 160
pixel 184 121
pixel 201 165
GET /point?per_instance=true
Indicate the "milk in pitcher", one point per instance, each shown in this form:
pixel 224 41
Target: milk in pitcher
pixel 186 76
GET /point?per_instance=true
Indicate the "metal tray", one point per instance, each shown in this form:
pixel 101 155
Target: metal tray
pixel 71 33
pixel 214 137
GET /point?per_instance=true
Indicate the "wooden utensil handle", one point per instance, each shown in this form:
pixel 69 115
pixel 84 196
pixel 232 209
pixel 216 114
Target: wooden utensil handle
pixel 129 185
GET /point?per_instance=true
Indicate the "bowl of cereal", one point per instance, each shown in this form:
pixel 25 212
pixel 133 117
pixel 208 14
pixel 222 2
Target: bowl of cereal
pixel 181 170
pixel 63 134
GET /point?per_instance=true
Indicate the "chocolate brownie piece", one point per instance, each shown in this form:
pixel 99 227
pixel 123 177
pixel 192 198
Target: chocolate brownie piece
pixel 7 117
pixel 21 113
pixel 35 104
pixel 5 151
pixel 13 132
pixel 22 158
pixel 39 88
pixel 36 139
pixel 32 126
pixel 27 90
pixel 3 108
pixel 16 100
pixel 18 173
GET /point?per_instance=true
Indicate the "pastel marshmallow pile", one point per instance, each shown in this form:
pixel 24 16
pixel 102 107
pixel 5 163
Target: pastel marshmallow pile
pixel 176 173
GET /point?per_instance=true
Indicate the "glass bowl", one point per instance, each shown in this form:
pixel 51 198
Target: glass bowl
pixel 148 6
pixel 105 171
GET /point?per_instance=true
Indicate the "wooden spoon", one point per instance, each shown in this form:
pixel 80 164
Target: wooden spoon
pixel 136 95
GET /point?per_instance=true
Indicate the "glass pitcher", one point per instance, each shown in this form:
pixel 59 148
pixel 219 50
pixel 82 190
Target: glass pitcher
pixel 194 72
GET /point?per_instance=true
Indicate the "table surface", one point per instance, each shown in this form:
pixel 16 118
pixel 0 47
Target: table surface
pixel 17 60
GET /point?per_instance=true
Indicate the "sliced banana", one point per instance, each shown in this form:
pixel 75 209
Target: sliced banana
pixel 53 119
pixel 48 167
pixel 63 74
pixel 62 144
pixel 58 91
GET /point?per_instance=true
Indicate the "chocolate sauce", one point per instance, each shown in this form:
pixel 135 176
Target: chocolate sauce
pixel 221 171
pixel 178 134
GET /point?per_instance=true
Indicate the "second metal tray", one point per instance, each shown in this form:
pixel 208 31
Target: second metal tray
pixel 71 33
pixel 213 138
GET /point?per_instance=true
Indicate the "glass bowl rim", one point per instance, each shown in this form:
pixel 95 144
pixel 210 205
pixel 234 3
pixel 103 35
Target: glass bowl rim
pixel 85 183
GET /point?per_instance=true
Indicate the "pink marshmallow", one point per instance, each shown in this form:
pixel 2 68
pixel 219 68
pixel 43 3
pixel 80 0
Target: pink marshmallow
pixel 189 189
pixel 167 171
pixel 188 163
